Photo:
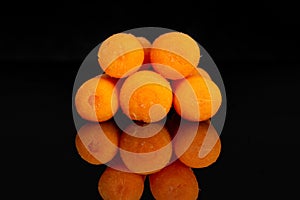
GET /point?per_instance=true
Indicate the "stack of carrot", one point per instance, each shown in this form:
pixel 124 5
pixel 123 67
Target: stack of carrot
pixel 145 81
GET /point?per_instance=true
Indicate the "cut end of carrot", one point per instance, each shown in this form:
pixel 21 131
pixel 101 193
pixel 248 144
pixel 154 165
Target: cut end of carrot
pixel 96 99
pixel 146 96
pixel 174 55
pixel 196 98
pixel 120 55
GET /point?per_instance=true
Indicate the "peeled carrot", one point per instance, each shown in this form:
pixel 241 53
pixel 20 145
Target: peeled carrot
pixel 196 98
pixel 147 48
pixel 200 72
pixel 146 96
pixel 174 55
pixel 97 98
pixel 120 55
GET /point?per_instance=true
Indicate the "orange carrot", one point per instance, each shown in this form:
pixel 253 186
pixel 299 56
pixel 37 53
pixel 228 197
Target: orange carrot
pixel 146 96
pixel 174 55
pixel 196 98
pixel 200 72
pixel 147 47
pixel 120 55
pixel 97 99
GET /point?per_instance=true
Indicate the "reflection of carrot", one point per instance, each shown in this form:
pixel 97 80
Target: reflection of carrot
pixel 120 55
pixel 196 98
pixel 145 149
pixel 114 185
pixel 118 164
pixel 174 55
pixel 197 145
pixel 97 143
pixel 97 99
pixel 146 96
pixel 176 181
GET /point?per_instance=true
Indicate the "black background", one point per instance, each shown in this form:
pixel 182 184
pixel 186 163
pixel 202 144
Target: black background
pixel 255 46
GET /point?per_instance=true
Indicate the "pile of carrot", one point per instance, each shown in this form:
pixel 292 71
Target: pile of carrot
pixel 145 81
